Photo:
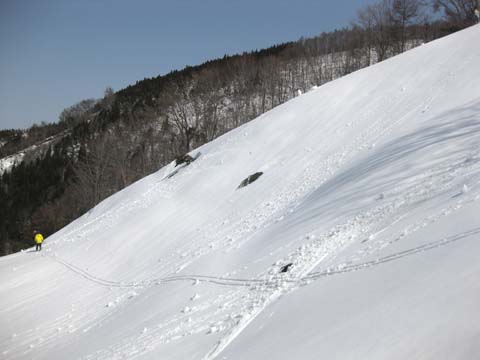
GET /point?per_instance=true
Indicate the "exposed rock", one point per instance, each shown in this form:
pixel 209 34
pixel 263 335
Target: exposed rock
pixel 250 179
pixel 285 268
pixel 184 159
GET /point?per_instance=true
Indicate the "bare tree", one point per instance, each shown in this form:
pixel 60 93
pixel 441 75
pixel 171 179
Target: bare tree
pixel 91 173
pixel 459 12
pixel 404 13
pixel 180 112
pixel 376 20
pixel 108 100
pixel 76 113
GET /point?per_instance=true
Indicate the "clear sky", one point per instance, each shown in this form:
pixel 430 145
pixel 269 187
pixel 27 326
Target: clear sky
pixel 54 53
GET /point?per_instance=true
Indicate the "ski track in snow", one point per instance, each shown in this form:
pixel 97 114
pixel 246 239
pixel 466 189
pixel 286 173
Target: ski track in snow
pixel 259 292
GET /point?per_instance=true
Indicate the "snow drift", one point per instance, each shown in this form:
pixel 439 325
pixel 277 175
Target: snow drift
pixel 370 190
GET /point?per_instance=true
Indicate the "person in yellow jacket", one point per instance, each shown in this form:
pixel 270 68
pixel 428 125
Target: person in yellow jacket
pixel 38 240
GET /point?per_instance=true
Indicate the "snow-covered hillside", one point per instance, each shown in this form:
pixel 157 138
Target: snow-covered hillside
pixel 8 162
pixel 29 153
pixel 370 189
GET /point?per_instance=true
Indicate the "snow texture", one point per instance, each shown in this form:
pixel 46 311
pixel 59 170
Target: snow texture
pixel 8 162
pixel 370 190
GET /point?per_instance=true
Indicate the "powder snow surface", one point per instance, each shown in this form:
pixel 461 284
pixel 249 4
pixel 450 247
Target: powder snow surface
pixel 370 189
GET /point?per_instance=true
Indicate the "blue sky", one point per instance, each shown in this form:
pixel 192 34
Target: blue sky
pixel 54 53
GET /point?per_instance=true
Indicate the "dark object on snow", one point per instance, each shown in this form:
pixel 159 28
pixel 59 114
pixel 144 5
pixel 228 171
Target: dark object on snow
pixel 183 159
pixel 285 268
pixel 250 179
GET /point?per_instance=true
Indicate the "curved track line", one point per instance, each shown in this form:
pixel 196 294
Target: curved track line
pixel 223 281
pixel 394 256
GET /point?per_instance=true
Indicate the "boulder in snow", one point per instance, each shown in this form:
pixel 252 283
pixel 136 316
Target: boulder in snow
pixel 250 179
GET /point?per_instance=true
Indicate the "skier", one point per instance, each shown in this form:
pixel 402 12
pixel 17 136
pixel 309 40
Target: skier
pixel 477 15
pixel 38 240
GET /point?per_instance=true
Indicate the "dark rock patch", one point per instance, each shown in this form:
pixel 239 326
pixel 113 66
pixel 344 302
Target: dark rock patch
pixel 285 268
pixel 183 159
pixel 250 179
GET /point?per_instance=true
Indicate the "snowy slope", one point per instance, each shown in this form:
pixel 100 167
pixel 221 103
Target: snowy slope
pixel 8 162
pixel 371 189
pixel 29 153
